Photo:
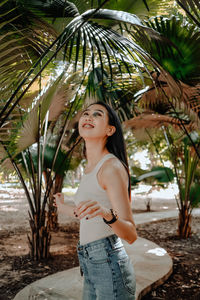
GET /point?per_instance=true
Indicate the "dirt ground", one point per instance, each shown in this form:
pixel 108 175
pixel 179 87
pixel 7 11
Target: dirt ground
pixel 17 270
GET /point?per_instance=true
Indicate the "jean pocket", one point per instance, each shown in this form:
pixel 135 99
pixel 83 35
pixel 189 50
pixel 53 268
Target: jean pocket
pixel 128 275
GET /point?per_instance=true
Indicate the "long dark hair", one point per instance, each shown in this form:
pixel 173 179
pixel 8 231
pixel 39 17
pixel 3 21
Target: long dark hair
pixel 115 143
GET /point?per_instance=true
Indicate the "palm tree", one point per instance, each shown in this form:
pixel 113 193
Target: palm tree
pixel 161 105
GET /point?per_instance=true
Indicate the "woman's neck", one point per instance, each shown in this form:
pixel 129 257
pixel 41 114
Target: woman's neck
pixel 94 151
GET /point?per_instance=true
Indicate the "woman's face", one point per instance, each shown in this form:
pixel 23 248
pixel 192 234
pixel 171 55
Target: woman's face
pixel 94 123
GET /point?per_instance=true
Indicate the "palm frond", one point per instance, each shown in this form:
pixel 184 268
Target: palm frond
pixel 23 39
pixel 58 8
pixel 161 98
pixel 192 9
pixel 101 41
pixel 7 166
pixel 54 100
pixel 143 8
pixel 63 95
pixel 28 134
pixel 179 50
pixel 152 120
pixel 3 153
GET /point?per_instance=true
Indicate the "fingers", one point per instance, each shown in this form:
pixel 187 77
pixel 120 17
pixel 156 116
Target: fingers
pixel 88 209
pixel 84 205
pixel 57 195
pixel 59 198
pixel 87 203
pixel 94 214
pixel 75 213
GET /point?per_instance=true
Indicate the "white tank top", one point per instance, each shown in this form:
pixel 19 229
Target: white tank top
pixel 89 189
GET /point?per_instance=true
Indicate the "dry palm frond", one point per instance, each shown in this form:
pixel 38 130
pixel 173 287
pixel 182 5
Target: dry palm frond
pixel 7 165
pixel 3 153
pixel 144 135
pixel 5 162
pixel 54 100
pixel 152 120
pixel 58 104
pixel 162 95
pixel 60 100
pixel 64 94
pixel 28 98
pixel 28 134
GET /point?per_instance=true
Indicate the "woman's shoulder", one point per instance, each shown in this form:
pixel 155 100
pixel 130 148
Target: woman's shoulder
pixel 112 173
pixel 113 166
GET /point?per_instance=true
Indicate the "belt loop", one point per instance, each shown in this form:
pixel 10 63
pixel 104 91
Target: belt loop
pixel 112 240
pixel 86 252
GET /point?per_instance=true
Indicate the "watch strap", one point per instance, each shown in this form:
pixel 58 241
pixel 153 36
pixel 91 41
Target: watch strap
pixel 114 217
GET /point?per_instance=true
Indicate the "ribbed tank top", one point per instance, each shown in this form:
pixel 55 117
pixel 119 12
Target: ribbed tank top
pixel 89 189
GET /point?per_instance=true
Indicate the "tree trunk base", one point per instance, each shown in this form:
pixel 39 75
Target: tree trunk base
pixel 39 241
pixel 184 224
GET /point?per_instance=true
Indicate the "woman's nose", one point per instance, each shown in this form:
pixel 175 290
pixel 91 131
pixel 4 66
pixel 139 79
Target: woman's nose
pixel 88 117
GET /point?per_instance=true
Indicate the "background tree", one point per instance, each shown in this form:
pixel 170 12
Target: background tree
pixel 160 105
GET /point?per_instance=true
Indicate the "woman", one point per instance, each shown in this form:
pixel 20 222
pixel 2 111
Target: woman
pixel 103 205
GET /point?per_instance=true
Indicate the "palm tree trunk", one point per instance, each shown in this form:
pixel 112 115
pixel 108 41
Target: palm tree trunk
pixel 58 183
pixel 52 214
pixel 39 242
pixel 184 224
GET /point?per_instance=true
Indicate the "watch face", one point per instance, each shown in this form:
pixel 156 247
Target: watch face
pixel 114 213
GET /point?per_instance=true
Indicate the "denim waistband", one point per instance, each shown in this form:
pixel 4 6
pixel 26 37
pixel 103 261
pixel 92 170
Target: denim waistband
pixel 112 241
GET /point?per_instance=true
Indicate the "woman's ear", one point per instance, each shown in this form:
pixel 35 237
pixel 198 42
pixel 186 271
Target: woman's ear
pixel 111 130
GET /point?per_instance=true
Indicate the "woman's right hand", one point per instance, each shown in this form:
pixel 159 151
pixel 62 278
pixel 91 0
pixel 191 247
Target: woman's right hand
pixel 58 199
pixel 64 208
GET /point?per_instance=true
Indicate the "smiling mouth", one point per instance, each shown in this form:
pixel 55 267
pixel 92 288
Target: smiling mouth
pixel 88 126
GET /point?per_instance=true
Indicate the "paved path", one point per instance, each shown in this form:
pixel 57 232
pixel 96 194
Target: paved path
pixel 152 267
pixel 160 215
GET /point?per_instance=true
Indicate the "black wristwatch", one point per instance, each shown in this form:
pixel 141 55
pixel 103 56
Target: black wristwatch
pixel 114 217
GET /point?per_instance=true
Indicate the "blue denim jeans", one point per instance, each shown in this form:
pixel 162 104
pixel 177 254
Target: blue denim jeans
pixel 107 269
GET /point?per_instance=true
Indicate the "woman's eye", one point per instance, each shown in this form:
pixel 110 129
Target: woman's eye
pixel 97 114
pixel 85 114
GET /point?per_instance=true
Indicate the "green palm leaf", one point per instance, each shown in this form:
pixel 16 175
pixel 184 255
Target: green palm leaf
pixel 192 8
pixel 23 38
pixel 161 174
pixel 58 8
pixel 101 41
pixel 142 8
pixel 181 60
pixel 181 57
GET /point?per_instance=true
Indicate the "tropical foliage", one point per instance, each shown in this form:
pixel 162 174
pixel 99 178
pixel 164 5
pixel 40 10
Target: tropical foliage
pixel 53 52
pixel 161 106
pixel 29 114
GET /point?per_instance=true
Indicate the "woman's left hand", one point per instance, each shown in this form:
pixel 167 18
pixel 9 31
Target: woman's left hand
pixel 90 209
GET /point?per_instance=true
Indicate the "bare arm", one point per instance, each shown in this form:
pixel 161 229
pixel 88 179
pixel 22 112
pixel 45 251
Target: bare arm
pixel 115 182
pixel 63 207
pixel 114 179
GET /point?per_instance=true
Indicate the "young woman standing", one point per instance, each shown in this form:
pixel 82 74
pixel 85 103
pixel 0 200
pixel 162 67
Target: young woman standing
pixel 103 205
